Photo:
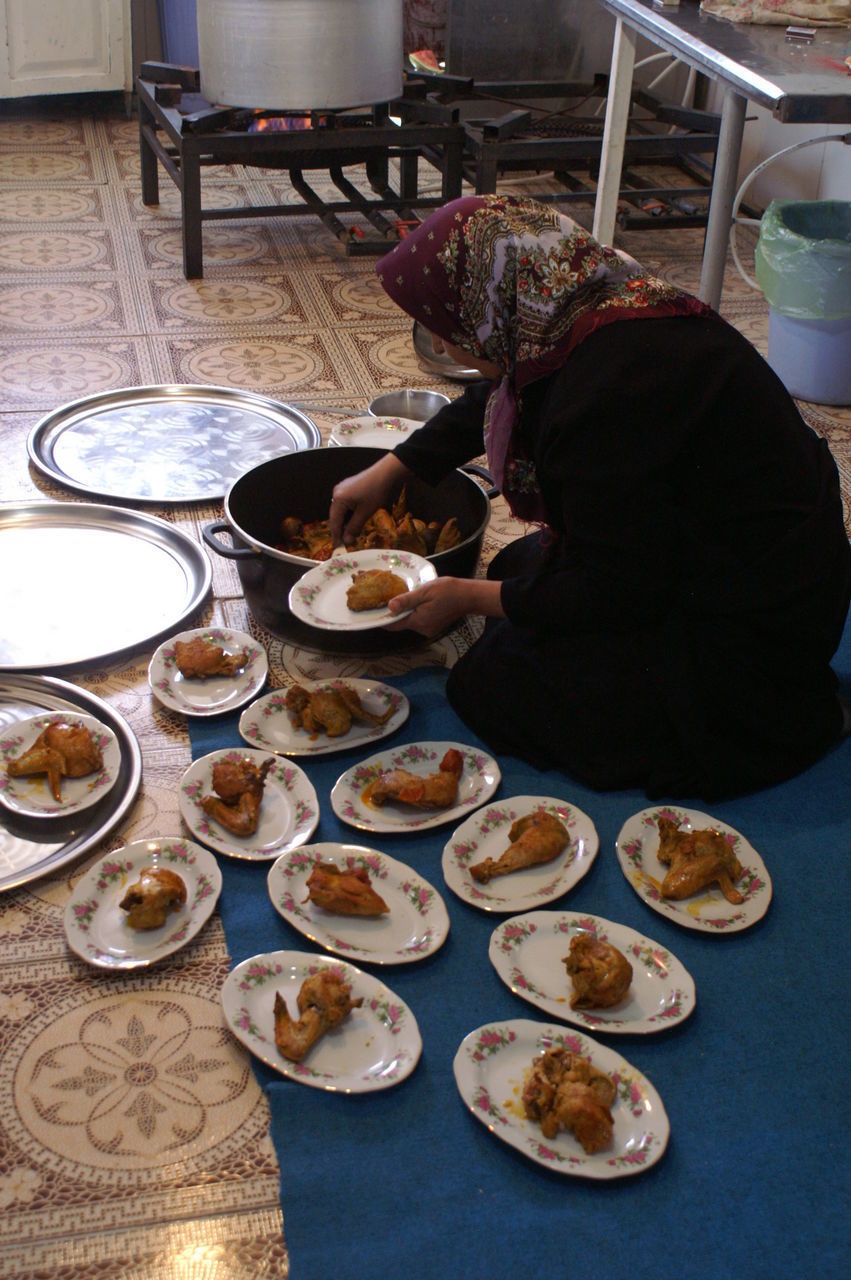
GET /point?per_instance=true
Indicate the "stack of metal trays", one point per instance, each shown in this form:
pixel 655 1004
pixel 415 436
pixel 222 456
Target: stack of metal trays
pixel 35 847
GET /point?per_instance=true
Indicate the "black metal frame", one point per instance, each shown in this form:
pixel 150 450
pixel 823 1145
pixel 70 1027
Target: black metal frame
pixel 185 133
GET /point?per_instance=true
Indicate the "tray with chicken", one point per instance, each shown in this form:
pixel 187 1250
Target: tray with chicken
pixel 416 786
pixel 318 717
pixel 695 869
pixel 321 1022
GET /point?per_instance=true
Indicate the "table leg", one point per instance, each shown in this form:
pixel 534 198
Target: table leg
pixel 614 133
pixel 724 182
pixel 190 201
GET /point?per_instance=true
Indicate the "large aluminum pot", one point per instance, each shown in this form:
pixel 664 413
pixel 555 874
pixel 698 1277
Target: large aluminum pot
pixel 288 55
pixel 300 484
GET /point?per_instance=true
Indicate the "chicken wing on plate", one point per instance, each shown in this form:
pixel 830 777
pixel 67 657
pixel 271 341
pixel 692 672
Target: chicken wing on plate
pixel 198 658
pixel 434 791
pixel 697 859
pixel 323 1001
pixel 600 973
pixel 239 791
pixel 534 839
pixel 346 890
pixel 60 751
pixel 331 709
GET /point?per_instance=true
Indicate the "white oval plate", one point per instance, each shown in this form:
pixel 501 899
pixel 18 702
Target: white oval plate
pixel 215 694
pixel 289 813
pixel 31 796
pixel 527 952
pixel 377 433
pixel 708 911
pixel 319 596
pixel 485 835
pixel 97 928
pixel 266 723
pixel 415 926
pixel 479 779
pixel 491 1067
pixel 377 1046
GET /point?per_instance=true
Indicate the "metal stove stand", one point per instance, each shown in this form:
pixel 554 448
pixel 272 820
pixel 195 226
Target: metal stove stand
pixel 182 131
pixel 549 127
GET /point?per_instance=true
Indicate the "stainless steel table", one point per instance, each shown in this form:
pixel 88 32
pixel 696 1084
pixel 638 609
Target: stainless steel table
pixel 798 83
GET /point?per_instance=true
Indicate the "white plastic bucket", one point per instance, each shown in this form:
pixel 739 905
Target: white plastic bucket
pixel 811 357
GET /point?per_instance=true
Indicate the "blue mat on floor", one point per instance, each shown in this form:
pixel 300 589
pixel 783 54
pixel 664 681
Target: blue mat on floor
pixel 755 1179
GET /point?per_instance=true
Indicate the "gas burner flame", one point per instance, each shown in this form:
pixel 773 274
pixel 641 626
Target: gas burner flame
pixel 282 124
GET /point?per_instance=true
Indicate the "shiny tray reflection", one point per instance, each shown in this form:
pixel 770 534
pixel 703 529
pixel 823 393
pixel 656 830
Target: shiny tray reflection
pixel 161 444
pixel 80 581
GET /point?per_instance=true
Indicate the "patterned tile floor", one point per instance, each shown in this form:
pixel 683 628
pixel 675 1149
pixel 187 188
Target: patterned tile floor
pixel 133 1137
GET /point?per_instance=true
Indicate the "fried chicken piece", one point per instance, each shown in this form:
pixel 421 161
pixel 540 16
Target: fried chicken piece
pixel 372 588
pixel 330 709
pixel 239 791
pixel 409 535
pixel 536 838
pixel 601 974
pixel 60 751
pixel 323 1002
pixel 318 540
pixel 379 532
pixel 346 890
pixel 198 658
pixel 434 791
pixel 565 1091
pixel 148 902
pixel 697 860
pixel 449 536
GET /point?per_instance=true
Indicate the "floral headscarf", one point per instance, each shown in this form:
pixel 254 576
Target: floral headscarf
pixel 517 283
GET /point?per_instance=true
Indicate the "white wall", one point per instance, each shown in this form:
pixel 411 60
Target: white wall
pixel 818 172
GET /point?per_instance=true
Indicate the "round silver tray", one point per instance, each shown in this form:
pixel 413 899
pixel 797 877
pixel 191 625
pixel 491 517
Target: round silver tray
pixel 444 364
pixel 80 582
pixel 165 443
pixel 34 847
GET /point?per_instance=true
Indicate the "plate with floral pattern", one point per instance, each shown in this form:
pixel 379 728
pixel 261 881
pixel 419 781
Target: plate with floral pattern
pixel 480 777
pixel 212 695
pixel 707 910
pixel 375 1047
pixel 376 433
pixel 97 928
pixel 528 954
pixel 485 835
pixel 30 796
pixel 491 1068
pixel 319 596
pixel 415 926
pixel 289 811
pixel 266 723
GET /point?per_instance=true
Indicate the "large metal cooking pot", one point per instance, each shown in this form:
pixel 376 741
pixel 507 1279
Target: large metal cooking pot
pixel 300 484
pixel 286 55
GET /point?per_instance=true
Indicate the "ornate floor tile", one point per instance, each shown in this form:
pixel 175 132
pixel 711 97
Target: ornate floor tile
pixel 99 307
pixel 42 250
pixel 69 206
pixel 227 302
pixel 44 375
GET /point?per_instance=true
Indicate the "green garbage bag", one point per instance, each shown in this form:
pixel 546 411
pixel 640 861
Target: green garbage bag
pixel 803 258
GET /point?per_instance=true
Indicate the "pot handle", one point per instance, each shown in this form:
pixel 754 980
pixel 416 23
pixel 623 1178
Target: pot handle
pixel 473 469
pixel 208 533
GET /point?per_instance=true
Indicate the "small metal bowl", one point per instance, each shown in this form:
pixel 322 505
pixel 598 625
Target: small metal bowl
pixel 412 403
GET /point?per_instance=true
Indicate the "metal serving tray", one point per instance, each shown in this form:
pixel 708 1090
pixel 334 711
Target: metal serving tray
pixel 165 443
pixel 34 847
pixel 80 581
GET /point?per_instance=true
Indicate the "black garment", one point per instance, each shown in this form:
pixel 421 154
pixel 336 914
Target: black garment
pixel 677 632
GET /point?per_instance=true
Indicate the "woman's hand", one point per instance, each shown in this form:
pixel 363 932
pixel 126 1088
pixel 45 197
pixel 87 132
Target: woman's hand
pixel 362 494
pixel 437 604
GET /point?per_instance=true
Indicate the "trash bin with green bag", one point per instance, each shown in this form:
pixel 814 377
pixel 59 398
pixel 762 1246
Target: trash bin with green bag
pixel 803 266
